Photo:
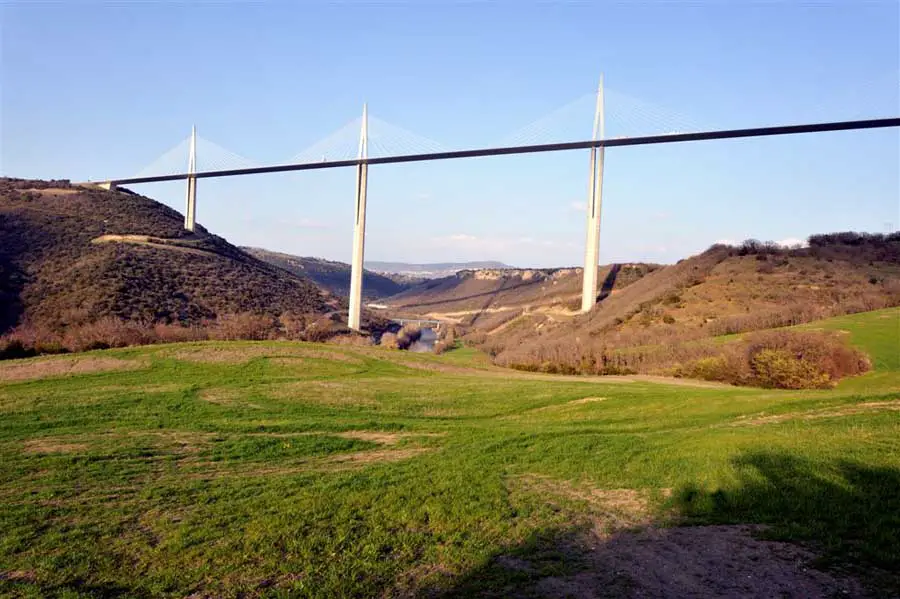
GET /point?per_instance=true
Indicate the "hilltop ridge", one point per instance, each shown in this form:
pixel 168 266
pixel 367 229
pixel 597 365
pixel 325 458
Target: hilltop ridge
pixel 330 274
pixel 72 255
pixel 651 317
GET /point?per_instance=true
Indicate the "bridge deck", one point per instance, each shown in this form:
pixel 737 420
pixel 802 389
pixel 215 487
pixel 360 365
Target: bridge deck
pixel 531 149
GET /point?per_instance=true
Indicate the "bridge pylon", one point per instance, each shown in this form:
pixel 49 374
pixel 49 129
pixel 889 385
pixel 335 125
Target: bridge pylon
pixel 190 212
pixel 359 227
pixel 594 205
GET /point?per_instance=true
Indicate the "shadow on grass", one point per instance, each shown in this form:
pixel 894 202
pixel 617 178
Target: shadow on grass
pixel 851 511
pixel 789 527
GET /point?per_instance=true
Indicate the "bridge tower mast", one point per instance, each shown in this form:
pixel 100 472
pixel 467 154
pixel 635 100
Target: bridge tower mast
pixel 594 205
pixel 190 213
pixel 359 227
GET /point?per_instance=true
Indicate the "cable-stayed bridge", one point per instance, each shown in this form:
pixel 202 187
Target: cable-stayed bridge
pixel 367 141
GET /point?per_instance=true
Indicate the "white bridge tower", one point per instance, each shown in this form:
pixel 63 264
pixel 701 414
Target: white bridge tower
pixel 359 228
pixel 594 205
pixel 190 212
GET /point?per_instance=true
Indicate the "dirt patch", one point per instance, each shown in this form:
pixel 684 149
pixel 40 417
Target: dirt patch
pixel 54 191
pixel 383 438
pixel 38 368
pixel 175 245
pixel 851 410
pixel 377 455
pixel 702 561
pixel 584 400
pixel 50 445
pixel 227 397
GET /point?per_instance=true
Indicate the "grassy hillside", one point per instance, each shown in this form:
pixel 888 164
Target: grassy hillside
pixel 282 469
pixel 71 255
pixel 722 291
pixel 330 275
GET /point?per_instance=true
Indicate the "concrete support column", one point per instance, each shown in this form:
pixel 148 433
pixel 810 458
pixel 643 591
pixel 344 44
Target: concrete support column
pixel 190 212
pixel 594 205
pixel 359 229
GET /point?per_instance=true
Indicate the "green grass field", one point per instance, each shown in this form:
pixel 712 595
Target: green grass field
pixel 285 469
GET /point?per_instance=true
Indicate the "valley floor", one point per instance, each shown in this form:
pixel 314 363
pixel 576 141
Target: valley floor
pixel 288 469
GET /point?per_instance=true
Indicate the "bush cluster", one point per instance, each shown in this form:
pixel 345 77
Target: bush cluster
pixel 30 340
pixel 781 360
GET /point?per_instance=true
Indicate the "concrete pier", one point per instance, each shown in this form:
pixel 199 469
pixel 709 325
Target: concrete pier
pixel 594 205
pixel 190 212
pixel 359 229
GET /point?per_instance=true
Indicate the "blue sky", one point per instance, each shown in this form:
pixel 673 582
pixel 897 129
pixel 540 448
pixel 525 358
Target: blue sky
pixel 98 90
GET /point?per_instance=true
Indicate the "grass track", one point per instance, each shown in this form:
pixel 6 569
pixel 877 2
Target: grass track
pixel 281 469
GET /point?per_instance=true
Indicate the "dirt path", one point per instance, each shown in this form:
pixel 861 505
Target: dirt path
pixel 176 245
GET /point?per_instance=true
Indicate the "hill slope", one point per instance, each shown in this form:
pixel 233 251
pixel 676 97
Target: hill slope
pixel 330 275
pixel 722 291
pixel 71 255
pixel 530 318
pixel 474 294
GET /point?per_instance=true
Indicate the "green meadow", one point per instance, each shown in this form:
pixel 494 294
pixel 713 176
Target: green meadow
pixel 278 469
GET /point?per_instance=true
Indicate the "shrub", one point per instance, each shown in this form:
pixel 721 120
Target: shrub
pixel 11 349
pixel 350 338
pixel 105 333
pixel 779 368
pixel 819 359
pixel 246 325
pixel 322 329
pixel 780 359
pixel 389 341
pixel 176 333
pixel 444 346
pixel 293 326
pixel 725 368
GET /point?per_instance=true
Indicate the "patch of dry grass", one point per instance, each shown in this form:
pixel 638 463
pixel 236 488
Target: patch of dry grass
pixel 610 509
pixel 42 368
pixel 50 445
pixel 851 410
pixel 286 355
pixel 377 455
pixel 384 438
pixel 329 393
pixel 227 396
